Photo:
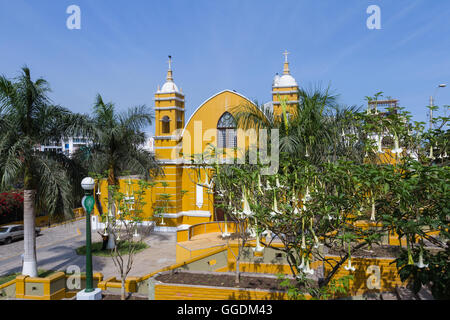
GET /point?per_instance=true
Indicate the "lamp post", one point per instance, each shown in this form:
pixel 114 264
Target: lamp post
pixel 88 205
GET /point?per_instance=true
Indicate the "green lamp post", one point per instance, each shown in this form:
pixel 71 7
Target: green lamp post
pixel 88 204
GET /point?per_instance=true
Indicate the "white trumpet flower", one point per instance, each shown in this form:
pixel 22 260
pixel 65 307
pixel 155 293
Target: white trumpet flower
pixel 226 233
pixel 372 216
pixel 431 156
pixel 380 149
pixel 420 264
pixel 302 265
pixel 316 240
pixel 275 206
pixel 349 266
pixel 307 269
pixel 258 247
pixel 260 186
pixel 303 246
pixel 295 204
pixel 307 196
pixel 397 149
pixel 247 211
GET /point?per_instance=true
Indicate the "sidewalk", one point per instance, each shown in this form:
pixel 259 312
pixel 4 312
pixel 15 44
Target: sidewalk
pixel 56 251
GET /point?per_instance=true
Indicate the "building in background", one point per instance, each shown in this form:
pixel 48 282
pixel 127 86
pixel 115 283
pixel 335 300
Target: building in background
pixel 67 146
pixel 149 145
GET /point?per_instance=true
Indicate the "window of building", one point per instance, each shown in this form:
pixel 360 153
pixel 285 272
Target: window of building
pixel 226 131
pixel 165 123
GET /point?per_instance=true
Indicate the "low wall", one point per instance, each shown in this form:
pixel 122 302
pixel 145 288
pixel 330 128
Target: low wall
pixel 50 288
pixel 54 287
pixel 114 285
pixel 8 289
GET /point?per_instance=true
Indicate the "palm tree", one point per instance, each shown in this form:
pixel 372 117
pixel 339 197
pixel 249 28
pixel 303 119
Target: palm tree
pixel 314 130
pixel 27 120
pixel 117 144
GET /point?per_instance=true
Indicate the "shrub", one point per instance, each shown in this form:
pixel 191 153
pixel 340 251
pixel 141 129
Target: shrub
pixel 11 206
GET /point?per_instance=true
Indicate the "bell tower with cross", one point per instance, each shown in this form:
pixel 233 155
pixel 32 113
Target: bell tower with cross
pixel 169 122
pixel 285 88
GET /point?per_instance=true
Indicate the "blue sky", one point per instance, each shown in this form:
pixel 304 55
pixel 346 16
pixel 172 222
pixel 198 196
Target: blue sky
pixel 122 47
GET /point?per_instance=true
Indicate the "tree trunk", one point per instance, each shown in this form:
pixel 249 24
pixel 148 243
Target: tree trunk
pixel 111 182
pixel 29 258
pixel 122 290
pixel 238 274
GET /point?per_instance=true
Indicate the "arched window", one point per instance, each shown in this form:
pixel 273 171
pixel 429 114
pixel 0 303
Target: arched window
pixel 226 131
pixel 165 123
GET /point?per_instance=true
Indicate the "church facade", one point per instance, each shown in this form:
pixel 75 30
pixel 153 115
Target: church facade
pixel 182 196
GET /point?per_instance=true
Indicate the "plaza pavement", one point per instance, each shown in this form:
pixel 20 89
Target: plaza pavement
pixel 56 251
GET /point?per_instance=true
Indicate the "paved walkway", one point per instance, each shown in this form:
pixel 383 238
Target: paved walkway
pixel 56 251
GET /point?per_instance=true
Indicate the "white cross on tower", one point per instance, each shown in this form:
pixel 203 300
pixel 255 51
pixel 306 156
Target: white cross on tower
pixel 170 62
pixel 285 53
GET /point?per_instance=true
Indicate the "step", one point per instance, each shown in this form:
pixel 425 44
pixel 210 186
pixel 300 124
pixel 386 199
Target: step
pixel 405 294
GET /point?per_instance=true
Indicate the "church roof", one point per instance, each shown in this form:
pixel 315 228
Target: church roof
pixel 286 80
pixel 169 87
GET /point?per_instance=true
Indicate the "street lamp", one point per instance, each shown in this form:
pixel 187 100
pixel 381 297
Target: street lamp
pixel 88 205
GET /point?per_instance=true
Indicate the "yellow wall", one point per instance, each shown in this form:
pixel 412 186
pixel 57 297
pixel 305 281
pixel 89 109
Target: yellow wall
pixel 389 277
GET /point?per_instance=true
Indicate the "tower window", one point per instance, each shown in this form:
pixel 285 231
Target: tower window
pixel 226 132
pixel 165 123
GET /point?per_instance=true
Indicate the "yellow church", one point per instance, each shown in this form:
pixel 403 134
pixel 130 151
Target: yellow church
pixel 182 193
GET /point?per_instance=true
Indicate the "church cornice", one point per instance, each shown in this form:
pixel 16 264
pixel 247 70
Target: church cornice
pixel 288 102
pixel 170 108
pixel 169 98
